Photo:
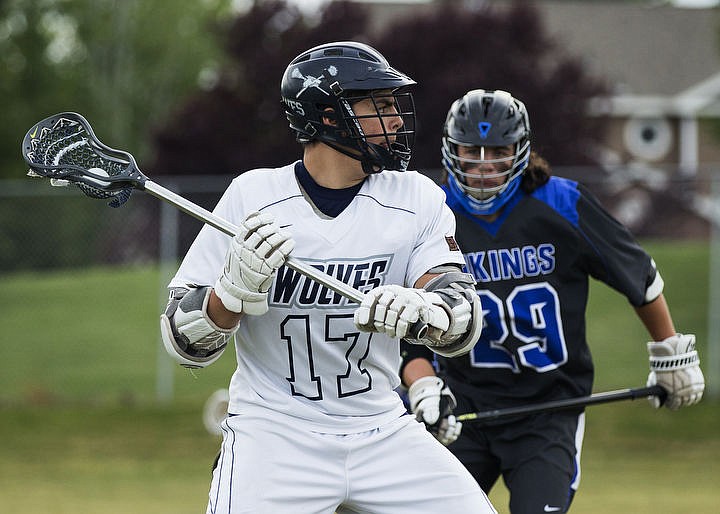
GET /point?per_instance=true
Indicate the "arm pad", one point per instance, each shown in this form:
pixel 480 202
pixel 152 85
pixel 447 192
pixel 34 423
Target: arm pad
pixel 457 297
pixel 189 335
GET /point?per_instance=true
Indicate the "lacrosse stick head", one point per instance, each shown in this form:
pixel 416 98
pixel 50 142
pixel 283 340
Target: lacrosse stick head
pixel 64 149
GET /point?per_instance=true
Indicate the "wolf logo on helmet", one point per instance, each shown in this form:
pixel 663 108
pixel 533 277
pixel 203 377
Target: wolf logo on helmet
pixel 311 81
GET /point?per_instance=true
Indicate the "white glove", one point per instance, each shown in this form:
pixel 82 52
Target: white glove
pixel 675 365
pixel 432 403
pixel 255 253
pixel 394 309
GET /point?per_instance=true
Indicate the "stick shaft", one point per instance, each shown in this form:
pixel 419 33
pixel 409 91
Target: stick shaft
pixel 228 228
pixel 582 401
pixel 132 177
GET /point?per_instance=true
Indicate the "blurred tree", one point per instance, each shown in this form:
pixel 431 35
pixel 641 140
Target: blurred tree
pixel 238 123
pixel 495 48
pixel 122 64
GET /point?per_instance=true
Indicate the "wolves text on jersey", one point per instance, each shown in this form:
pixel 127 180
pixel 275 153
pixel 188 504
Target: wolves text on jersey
pixel 511 263
pixel 294 289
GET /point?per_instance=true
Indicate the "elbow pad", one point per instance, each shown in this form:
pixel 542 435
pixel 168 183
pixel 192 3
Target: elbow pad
pixel 456 292
pixel 189 335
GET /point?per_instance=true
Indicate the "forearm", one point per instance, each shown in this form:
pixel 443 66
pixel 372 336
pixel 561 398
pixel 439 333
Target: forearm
pixel 189 334
pixel 416 368
pixel 220 315
pixel 431 400
pixel 657 319
pixel 199 321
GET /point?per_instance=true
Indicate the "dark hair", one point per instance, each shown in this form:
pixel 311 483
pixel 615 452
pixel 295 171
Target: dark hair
pixel 536 174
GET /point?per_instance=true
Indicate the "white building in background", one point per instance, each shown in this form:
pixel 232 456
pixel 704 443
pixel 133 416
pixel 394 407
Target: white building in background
pixel 662 59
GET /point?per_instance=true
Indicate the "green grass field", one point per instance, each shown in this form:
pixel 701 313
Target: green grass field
pixel 82 429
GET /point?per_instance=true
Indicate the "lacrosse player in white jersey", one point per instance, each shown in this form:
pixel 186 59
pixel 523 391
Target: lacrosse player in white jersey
pixel 314 423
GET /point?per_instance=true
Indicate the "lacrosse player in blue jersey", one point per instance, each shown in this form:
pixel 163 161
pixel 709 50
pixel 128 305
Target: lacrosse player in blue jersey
pixel 314 423
pixel 532 242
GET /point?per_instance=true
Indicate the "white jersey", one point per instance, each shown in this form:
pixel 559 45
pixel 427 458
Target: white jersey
pixel 305 357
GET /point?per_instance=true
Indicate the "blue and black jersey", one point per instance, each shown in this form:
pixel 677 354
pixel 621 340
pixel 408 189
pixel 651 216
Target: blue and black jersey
pixel 532 266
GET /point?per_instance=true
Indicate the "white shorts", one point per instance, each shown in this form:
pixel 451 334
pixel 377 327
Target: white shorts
pixel 271 467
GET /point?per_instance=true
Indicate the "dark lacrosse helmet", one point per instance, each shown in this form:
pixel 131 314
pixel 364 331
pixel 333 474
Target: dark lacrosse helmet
pixel 324 82
pixel 485 118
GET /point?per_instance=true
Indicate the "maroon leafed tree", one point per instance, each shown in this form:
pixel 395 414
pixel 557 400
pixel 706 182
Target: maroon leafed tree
pixel 454 49
pixel 238 123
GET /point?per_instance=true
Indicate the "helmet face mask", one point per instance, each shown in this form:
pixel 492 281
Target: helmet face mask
pixel 388 129
pixel 486 185
pixel 485 121
pixel 323 88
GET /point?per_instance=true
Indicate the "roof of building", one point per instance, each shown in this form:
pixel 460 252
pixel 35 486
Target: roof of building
pixel 642 48
pixel 657 57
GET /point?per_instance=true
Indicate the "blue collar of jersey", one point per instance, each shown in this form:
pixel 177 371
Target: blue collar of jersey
pixel 490 226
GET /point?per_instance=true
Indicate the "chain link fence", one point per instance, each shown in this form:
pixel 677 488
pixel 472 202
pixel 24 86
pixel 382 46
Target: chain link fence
pixel 44 227
pixel 54 228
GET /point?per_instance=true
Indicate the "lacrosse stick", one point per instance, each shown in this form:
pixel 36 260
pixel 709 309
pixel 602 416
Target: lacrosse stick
pixel 582 401
pixel 64 149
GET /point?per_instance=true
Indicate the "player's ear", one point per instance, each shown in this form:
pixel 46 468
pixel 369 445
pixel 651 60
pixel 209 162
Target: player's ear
pixel 329 117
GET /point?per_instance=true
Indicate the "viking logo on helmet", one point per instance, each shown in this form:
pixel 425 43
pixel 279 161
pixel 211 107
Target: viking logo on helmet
pixel 484 128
